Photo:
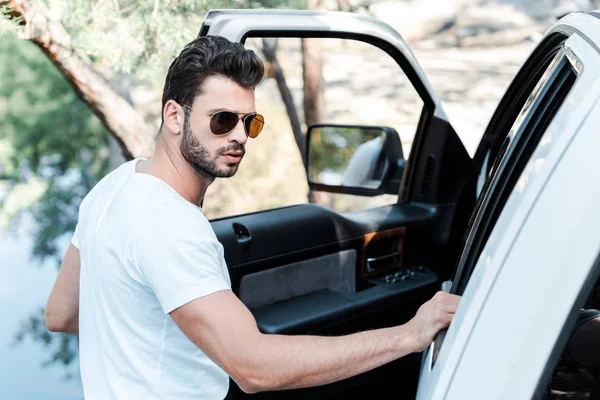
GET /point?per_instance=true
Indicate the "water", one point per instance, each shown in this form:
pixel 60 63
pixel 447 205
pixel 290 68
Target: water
pixel 24 288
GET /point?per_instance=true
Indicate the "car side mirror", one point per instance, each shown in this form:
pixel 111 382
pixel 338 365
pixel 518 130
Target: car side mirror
pixel 354 159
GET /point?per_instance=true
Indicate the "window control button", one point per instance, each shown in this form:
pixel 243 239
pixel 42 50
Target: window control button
pixel 403 274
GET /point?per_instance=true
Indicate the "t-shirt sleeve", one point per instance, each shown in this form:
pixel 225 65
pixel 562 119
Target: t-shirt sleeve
pixel 75 238
pixel 180 261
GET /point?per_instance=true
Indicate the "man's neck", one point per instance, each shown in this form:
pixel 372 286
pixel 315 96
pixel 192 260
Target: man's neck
pixel 174 170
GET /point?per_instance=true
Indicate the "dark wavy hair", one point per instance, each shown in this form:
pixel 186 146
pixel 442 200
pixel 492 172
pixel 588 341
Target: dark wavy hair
pixel 208 56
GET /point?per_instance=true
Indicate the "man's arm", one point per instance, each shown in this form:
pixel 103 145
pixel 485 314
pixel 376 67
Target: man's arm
pixel 221 326
pixel 62 310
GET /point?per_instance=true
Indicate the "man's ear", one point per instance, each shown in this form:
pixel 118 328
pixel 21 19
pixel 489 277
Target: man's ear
pixel 173 117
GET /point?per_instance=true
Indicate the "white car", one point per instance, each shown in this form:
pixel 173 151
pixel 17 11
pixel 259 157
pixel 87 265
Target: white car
pixel 515 229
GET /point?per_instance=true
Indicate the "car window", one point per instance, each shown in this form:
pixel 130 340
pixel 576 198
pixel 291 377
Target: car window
pixel 512 157
pixel 360 84
pixel 514 99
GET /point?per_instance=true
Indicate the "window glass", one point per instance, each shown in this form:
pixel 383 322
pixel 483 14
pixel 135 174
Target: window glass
pixel 357 84
pixel 515 153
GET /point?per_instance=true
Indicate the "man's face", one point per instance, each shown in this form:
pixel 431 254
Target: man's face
pixel 210 155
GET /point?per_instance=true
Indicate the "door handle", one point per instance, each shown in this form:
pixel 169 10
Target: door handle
pixel 242 234
pixel 375 263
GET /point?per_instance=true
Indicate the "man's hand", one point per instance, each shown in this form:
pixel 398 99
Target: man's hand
pixel 433 316
pixel 226 331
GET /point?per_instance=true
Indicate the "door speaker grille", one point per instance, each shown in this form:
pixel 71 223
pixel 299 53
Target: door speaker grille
pixel 427 176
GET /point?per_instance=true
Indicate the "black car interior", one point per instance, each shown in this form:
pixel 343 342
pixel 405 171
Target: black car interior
pixel 307 269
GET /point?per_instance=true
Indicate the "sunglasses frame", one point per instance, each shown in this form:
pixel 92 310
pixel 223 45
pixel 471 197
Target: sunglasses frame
pixel 241 117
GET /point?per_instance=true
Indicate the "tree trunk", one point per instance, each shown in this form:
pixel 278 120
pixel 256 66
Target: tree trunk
pixel 132 133
pixel 343 5
pixel 314 85
pixel 314 97
pixel 270 52
pixel 122 85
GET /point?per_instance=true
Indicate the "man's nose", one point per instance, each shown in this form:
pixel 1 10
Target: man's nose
pixel 238 134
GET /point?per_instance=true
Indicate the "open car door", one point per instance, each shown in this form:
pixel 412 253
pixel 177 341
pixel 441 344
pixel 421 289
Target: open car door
pixel 307 269
pixel 525 139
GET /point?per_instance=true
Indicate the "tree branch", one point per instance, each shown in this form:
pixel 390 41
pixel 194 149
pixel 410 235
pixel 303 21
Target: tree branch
pixel 135 136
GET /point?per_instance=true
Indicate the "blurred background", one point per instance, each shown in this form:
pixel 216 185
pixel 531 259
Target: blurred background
pixel 80 93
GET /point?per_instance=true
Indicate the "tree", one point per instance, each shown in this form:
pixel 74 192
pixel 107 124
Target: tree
pixel 57 145
pixel 89 65
pixel 270 52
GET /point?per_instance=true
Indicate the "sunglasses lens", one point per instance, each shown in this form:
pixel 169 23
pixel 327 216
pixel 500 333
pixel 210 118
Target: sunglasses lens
pixel 254 124
pixel 223 122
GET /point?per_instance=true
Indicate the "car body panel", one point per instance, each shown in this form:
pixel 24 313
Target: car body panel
pixel 461 370
pixel 584 24
pixel 538 283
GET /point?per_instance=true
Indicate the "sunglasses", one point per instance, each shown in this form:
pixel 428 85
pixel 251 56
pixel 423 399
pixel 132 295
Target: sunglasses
pixel 223 122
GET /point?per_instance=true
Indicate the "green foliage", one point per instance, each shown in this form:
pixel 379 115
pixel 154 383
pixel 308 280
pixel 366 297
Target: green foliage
pixel 47 134
pixel 8 25
pixel 51 135
pixel 143 37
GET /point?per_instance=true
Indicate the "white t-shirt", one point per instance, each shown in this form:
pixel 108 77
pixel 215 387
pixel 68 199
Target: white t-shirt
pixel 144 251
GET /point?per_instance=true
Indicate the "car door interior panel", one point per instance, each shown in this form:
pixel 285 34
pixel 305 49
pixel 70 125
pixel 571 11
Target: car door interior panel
pixel 317 311
pixel 312 225
pixel 307 268
pixel 335 271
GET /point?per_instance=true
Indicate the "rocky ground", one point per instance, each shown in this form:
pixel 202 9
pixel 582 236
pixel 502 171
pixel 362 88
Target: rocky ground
pixel 471 49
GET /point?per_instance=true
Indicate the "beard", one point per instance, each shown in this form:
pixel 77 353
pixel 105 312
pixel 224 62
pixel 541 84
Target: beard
pixel 199 158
